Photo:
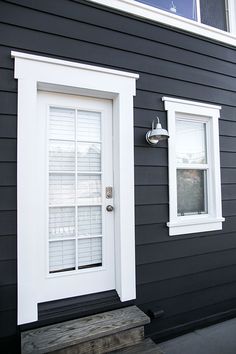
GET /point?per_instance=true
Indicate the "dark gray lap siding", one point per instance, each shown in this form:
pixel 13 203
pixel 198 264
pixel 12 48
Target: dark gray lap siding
pixel 190 276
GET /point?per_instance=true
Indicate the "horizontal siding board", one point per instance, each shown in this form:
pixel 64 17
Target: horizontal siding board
pixel 145 195
pixel 8 273
pixel 148 214
pixel 149 156
pixel 157 291
pixel 228 191
pixel 139 28
pixel 228 159
pixel 177 267
pixel 206 315
pixel 154 233
pixel 8 223
pixel 7 126
pixel 83 31
pixel 8 102
pixel 227 128
pixel 7 82
pixel 7 248
pixel 228 175
pixel 8 322
pixel 7 198
pixel 150 175
pixel 147 81
pixel 7 150
pixel 158 252
pixel 8 298
pixel 186 302
pixel 143 117
pixel 7 173
pixel 228 144
pixel 229 207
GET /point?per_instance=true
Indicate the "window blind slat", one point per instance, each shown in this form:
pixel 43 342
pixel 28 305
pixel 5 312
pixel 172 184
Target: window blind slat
pixel 89 251
pixel 61 222
pixel 89 220
pixel 61 255
pixel 89 157
pixel 89 189
pixel 61 156
pixel 61 189
pixel 62 123
pixel 88 126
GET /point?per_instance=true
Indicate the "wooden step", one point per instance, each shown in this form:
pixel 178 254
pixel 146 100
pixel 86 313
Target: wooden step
pixel 146 346
pixel 101 333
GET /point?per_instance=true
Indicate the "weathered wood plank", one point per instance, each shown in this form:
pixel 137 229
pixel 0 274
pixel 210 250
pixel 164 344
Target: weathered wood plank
pixel 71 333
pixel 106 344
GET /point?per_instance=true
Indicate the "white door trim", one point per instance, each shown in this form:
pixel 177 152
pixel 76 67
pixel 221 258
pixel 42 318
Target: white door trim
pixel 41 73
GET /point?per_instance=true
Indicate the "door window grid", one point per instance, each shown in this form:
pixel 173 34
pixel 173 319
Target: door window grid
pixel 86 214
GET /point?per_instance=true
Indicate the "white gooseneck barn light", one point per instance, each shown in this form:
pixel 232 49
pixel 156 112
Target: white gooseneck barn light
pixel 157 133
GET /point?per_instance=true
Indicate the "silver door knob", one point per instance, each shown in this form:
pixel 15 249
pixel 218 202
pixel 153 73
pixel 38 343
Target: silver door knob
pixel 110 208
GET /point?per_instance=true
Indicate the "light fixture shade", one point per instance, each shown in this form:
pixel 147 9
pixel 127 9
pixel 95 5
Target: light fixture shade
pixel 157 133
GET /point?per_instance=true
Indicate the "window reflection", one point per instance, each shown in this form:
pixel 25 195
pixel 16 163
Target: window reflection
pixel 191 142
pixel 184 8
pixel 191 192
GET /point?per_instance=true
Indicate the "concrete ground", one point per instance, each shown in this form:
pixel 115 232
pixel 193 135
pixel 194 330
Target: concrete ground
pixel 216 339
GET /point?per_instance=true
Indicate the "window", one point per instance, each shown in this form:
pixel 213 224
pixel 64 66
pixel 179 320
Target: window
pixel 209 12
pixel 194 167
pixel 209 18
pixel 183 8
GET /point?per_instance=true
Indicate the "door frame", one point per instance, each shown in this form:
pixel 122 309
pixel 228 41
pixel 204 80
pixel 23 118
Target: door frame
pixel 47 74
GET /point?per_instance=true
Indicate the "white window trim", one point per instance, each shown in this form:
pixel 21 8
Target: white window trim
pixel 36 72
pixel 199 223
pixel 154 14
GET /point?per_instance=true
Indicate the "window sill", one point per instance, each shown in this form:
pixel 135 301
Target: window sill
pixel 166 18
pixel 195 225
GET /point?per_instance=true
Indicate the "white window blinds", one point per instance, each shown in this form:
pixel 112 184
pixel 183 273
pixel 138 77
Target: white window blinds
pixel 75 182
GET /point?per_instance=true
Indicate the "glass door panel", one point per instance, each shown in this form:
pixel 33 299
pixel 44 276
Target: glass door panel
pixel 75 189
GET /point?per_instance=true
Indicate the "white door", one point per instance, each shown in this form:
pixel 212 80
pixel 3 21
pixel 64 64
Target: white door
pixel 76 238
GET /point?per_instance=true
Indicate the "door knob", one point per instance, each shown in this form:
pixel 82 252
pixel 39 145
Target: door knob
pixel 110 208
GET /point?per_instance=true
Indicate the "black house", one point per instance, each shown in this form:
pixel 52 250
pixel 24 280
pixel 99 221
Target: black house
pixel 92 217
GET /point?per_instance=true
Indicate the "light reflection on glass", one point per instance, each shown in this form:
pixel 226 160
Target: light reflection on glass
pixel 190 142
pixel 184 8
pixel 191 192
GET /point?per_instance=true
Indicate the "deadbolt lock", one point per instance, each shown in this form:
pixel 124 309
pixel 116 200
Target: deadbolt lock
pixel 108 192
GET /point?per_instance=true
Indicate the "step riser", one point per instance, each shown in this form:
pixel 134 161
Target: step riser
pixel 106 344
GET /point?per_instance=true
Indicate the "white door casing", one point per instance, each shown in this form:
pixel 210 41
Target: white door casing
pixel 36 73
pixel 56 284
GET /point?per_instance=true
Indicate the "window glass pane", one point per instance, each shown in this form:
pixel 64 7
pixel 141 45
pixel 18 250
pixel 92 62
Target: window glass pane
pixel 89 157
pixel 62 123
pixel 88 126
pixel 89 252
pixel 191 192
pixel 89 189
pixel 185 8
pixel 213 13
pixel 190 142
pixel 61 155
pixel 89 221
pixel 61 189
pixel 61 256
pixel 61 222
